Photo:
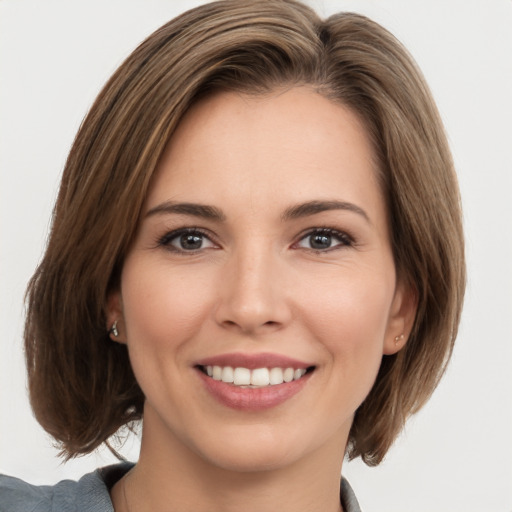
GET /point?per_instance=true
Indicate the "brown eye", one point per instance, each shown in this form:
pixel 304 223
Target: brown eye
pixel 186 240
pixel 189 242
pixel 320 241
pixel 324 240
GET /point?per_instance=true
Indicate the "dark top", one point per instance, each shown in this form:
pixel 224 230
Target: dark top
pixel 90 493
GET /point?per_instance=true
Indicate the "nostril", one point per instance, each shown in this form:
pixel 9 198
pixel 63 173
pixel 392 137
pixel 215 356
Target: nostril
pixel 249 326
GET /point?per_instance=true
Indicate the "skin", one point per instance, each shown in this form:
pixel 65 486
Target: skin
pixel 256 285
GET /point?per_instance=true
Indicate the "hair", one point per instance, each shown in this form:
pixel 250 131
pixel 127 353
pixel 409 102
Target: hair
pixel 81 385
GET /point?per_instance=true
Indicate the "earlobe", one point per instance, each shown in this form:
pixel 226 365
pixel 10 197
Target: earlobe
pixel 115 319
pixel 401 319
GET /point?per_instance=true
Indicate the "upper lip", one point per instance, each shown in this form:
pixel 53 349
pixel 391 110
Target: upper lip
pixel 253 361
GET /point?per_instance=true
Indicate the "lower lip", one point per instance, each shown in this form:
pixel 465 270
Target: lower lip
pixel 253 399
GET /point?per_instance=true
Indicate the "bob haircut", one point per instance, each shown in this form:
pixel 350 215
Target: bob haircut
pixel 81 385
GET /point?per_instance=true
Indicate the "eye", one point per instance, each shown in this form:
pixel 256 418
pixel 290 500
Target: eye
pixel 324 239
pixel 186 240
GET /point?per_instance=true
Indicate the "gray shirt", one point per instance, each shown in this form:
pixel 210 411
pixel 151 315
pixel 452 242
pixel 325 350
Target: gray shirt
pixel 90 493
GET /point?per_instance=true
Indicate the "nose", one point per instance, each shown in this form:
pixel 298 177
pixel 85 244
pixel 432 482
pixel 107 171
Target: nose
pixel 253 296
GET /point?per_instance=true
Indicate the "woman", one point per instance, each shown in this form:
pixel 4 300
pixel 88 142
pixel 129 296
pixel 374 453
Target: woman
pixel 257 248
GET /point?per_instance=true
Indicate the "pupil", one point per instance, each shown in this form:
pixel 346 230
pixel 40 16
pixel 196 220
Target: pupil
pixel 191 241
pixel 320 241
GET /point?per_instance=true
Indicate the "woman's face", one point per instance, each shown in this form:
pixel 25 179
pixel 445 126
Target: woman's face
pixel 263 255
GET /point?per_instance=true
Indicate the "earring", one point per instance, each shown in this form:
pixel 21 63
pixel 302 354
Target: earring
pixel 113 330
pixel 398 339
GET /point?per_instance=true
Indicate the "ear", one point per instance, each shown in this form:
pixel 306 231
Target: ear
pixel 114 315
pixel 401 318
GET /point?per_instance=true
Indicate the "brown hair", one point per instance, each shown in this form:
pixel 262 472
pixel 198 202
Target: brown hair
pixel 81 385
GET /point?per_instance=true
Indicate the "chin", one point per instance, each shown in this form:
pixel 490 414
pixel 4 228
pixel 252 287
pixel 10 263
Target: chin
pixel 253 458
pixel 261 448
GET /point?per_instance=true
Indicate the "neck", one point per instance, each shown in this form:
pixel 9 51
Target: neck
pixel 170 477
pixel 179 488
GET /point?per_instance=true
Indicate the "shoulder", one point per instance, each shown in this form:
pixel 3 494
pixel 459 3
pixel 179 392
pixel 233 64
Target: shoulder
pixel 348 498
pixel 89 494
pixel 17 495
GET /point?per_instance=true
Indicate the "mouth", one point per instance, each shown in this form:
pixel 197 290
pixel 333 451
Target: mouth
pixel 254 378
pixel 253 382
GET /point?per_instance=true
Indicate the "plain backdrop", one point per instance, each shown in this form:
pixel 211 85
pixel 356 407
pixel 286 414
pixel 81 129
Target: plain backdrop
pixel 456 454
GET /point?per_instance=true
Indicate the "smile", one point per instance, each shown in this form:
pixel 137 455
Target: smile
pixel 253 382
pixel 255 378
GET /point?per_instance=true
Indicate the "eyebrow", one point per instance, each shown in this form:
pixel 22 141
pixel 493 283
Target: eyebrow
pixel 313 207
pixel 197 210
pixel 293 212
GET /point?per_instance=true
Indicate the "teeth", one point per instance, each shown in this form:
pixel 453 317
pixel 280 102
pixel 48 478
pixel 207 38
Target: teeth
pixel 217 373
pixel 259 377
pixel 227 374
pixel 242 377
pixel 276 376
pixel 288 375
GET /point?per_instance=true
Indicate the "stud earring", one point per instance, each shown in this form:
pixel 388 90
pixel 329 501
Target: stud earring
pixel 398 339
pixel 113 330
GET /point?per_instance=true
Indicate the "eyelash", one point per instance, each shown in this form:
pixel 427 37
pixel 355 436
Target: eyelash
pixel 344 238
pixel 165 241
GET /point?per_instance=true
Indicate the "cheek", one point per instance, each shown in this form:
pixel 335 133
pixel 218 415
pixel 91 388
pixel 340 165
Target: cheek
pixel 162 308
pixel 350 300
pixel 348 317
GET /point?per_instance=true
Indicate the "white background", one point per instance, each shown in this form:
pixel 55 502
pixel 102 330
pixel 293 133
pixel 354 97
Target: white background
pixel 456 454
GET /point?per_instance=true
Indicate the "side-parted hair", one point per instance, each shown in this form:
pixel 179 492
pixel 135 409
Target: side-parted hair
pixel 81 384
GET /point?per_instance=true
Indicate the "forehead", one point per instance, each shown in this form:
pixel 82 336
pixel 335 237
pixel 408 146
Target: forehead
pixel 290 144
